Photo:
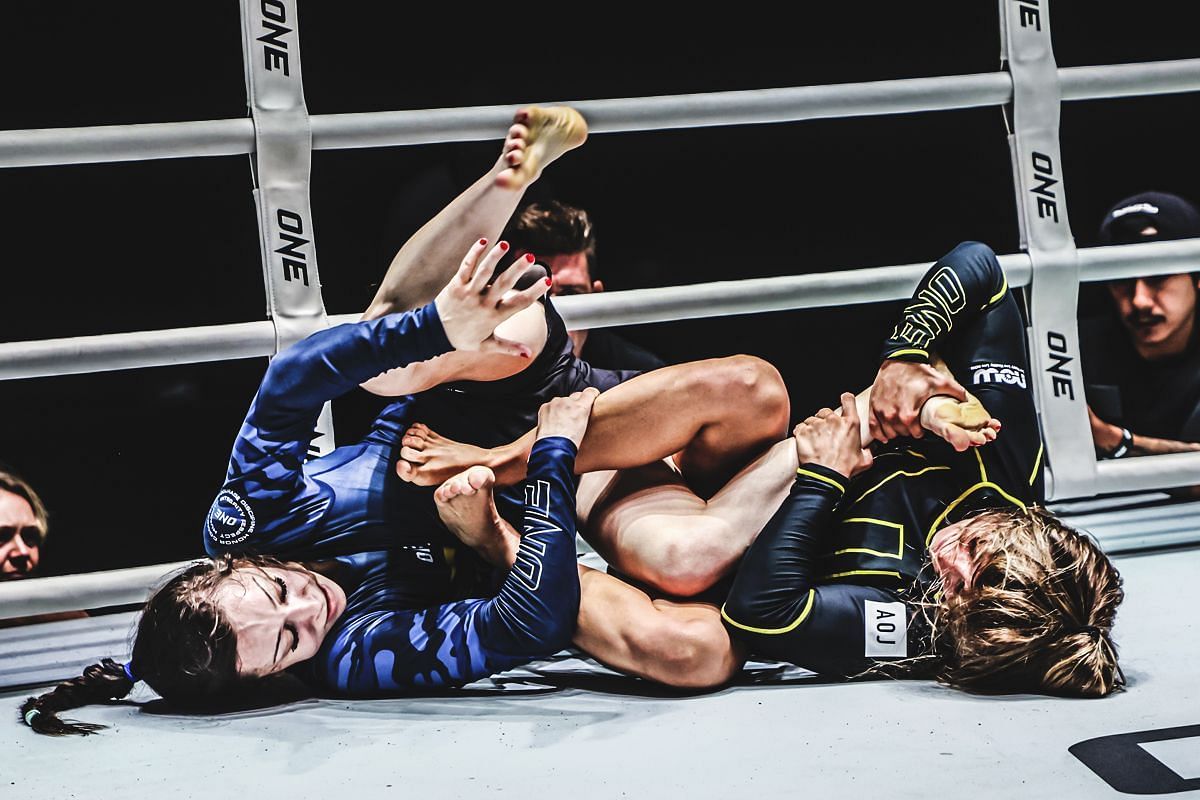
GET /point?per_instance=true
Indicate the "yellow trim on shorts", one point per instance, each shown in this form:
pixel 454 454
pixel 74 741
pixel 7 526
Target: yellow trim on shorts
pixel 981 485
pixel 822 478
pixel 812 593
pixel 912 351
pixel 896 474
pixel 1037 463
pixel 899 527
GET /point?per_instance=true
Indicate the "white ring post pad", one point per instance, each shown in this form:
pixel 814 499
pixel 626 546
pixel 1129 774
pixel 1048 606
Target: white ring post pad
pixel 1046 236
pixel 282 163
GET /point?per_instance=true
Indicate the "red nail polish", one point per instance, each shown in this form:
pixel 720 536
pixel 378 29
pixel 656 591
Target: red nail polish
pixel 549 281
pixel 504 245
pixel 483 241
pixel 529 257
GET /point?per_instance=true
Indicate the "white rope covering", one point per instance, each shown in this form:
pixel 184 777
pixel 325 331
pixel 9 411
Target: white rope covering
pixel 58 146
pixel 80 354
pixel 83 354
pixel 1148 472
pixel 116 587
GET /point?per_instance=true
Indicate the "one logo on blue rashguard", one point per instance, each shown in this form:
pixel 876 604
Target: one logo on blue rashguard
pixel 230 520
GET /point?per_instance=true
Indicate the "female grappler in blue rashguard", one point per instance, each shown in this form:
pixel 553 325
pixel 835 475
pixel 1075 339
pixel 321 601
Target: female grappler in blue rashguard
pixel 401 623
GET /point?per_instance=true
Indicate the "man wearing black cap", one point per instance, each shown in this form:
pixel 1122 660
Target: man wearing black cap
pixel 1143 374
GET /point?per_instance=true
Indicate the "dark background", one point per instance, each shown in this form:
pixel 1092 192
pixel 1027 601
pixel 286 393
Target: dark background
pixel 129 461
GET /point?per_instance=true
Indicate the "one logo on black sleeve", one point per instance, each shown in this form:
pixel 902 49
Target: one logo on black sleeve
pixel 1126 762
pixel 230 520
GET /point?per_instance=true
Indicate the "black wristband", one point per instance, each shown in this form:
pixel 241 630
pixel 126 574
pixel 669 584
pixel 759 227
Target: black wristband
pixel 1123 448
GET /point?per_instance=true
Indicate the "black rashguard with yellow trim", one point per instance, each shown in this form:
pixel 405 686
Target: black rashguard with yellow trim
pixel 827 584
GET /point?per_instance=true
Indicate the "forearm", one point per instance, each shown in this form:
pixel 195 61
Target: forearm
pixel 1150 446
pixel 333 361
pixel 955 290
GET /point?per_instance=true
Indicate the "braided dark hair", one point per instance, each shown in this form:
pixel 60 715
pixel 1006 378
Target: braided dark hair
pixel 184 649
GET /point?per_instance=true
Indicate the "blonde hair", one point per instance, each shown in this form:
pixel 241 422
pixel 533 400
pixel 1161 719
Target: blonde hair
pixel 15 484
pixel 1039 614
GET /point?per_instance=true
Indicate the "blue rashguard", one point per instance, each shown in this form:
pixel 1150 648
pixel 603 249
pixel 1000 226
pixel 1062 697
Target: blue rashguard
pixel 351 506
pixel 375 648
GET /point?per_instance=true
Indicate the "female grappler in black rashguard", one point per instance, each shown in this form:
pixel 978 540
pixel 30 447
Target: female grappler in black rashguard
pixel 828 584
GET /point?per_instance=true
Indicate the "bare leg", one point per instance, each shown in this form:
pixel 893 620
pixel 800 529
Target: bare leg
pixel 679 644
pixel 427 261
pixel 648 524
pixel 716 415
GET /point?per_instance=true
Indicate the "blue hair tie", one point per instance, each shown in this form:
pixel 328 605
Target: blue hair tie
pixel 129 672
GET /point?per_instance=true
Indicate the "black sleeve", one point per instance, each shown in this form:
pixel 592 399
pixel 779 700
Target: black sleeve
pixel 777 572
pixel 779 611
pixel 964 309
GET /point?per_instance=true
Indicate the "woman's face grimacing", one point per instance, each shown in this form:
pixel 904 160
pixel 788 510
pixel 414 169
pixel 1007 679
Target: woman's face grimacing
pixel 280 615
pixel 952 552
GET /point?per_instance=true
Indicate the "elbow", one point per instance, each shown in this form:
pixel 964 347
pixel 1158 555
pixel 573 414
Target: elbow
pixel 559 630
pixel 550 631
pixel 976 250
pixel 750 610
pixel 981 257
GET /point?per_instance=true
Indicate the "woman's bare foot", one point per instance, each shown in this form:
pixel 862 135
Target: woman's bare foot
pixel 537 137
pixel 428 458
pixel 466 506
pixel 962 424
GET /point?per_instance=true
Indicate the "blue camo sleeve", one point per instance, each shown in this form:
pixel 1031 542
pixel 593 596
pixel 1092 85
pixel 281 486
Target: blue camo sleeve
pixel 533 615
pixel 266 499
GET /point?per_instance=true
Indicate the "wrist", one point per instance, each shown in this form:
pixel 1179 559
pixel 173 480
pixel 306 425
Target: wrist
pixel 822 474
pixel 1123 444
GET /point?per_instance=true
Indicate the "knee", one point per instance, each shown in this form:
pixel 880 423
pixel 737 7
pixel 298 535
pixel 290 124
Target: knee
pixel 749 383
pixel 688 654
pixel 687 567
pixel 756 610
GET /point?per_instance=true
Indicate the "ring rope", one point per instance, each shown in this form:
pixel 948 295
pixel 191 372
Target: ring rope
pixel 41 147
pixel 81 354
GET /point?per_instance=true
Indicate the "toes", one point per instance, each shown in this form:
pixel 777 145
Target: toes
pixel 480 477
pixel 414 456
pixel 404 471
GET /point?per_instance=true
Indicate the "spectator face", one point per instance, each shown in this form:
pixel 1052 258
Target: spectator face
pixel 20 538
pixel 571 274
pixel 1158 311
